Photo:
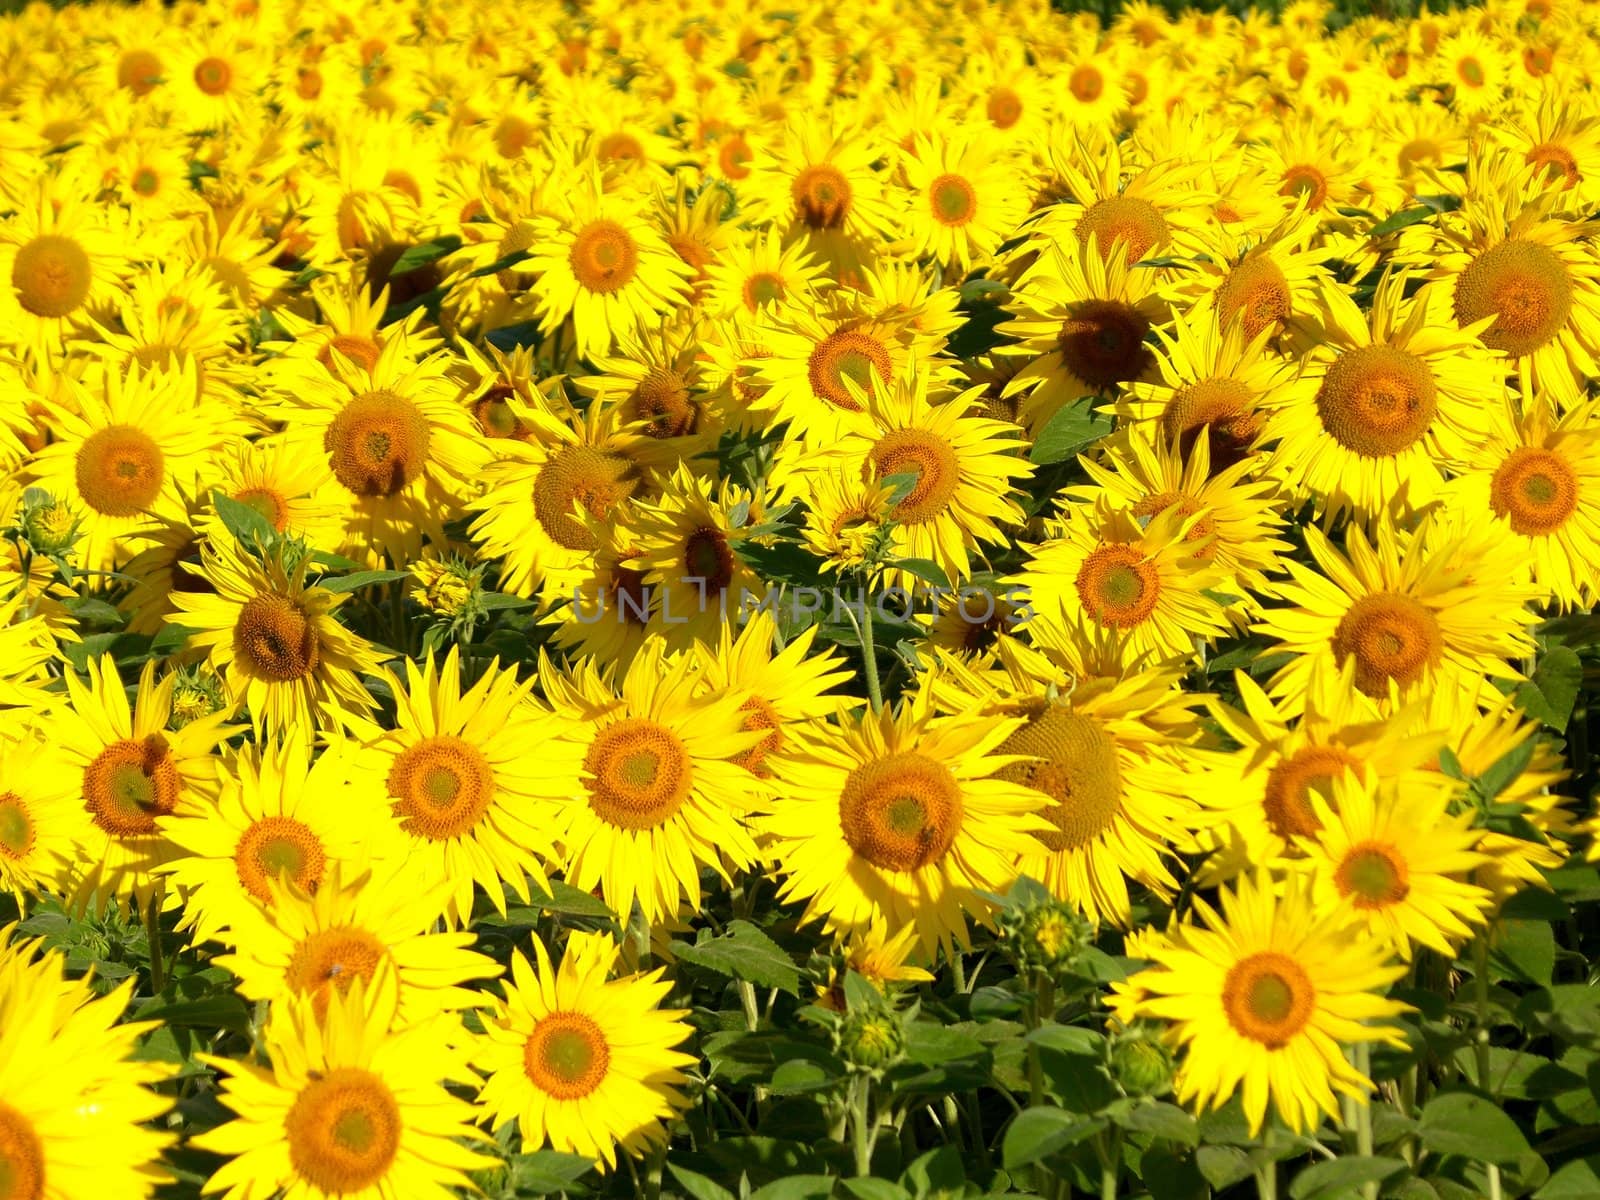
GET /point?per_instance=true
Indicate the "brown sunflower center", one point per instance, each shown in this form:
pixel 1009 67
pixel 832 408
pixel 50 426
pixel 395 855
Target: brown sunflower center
pixel 1087 84
pixel 1303 179
pixel 328 959
pixel 1377 401
pixel 51 275
pixel 1078 770
pixel 129 784
pixel 1137 224
pixel 1470 72
pixel 759 714
pixel 932 459
pixel 213 76
pixel 1257 293
pixel 953 200
pixel 1221 407
pixel 362 351
pixel 1526 288
pixel 276 639
pixel 497 418
pixel 119 470
pixel 1102 343
pixel 639 774
pixel 17 833
pixel 1392 636
pixel 21 1157
pixel 566 1056
pixel 822 196
pixel 1004 108
pixel 1118 586
pixel 708 560
pixel 900 812
pixel 378 444
pixel 1286 798
pixel 1268 998
pixel 279 847
pixel 662 400
pixel 847 354
pixel 604 257
pixel 583 477
pixel 1535 490
pixel 1202 532
pixel 621 148
pixel 1558 162
pixel 762 288
pixel 1372 875
pixel 441 787
pixel 343 1131
pixel 269 502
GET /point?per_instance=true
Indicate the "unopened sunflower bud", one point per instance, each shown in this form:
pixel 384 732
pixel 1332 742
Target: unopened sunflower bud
pixel 1044 937
pixel 194 695
pixel 443 588
pixel 50 527
pixel 1140 1063
pixel 870 1040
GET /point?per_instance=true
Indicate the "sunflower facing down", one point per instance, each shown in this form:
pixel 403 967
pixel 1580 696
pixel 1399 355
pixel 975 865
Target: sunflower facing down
pixel 584 1063
pixel 274 640
pixel 1264 998
pixel 901 816
pixel 350 1106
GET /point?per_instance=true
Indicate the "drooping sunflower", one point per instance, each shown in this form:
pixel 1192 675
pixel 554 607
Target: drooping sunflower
pixel 582 1062
pixel 274 641
pixel 660 793
pixel 1268 285
pixel 61 259
pixel 279 815
pixel 900 816
pixel 469 800
pixel 43 825
pixel 963 201
pixel 1394 858
pixel 351 1105
pixel 1265 997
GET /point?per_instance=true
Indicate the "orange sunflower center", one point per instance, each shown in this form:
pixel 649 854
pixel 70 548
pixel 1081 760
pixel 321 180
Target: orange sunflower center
pixel 1303 179
pixel 1377 401
pixel 332 958
pixel 1268 998
pixel 1077 769
pixel 1223 408
pixel 21 1157
pixel 1392 636
pixel 762 288
pixel 213 76
pixel 378 444
pixel 16 827
pixel 822 196
pixel 269 502
pixel 129 784
pixel 119 470
pixel 1286 799
pixel 1257 293
pixel 1087 84
pixel 662 400
pixel 1372 875
pixel 1135 223
pixel 1526 288
pixel 759 714
pixel 1102 343
pixel 441 787
pixel 1118 585
pixel 932 459
pixel 139 71
pixel 1004 108
pixel 566 1056
pixel 604 257
pixel 362 351
pixel 580 477
pixel 847 354
pixel 1535 490
pixel 276 639
pixel 276 847
pixel 343 1131
pixel 953 199
pixel 1202 532
pixel 639 774
pixel 497 418
pixel 52 275
pixel 1558 162
pixel 900 812
pixel 733 156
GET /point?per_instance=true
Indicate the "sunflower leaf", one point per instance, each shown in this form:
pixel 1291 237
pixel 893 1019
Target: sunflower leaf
pixel 744 952
pixel 250 528
pixel 361 579
pixel 424 253
pixel 1341 1177
pixel 1471 1126
pixel 1071 431
pixel 1039 1132
pixel 1399 220
pixel 1553 691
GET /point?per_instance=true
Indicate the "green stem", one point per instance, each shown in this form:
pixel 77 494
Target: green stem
pixel 1480 1041
pixel 1267 1176
pixel 869 653
pixel 958 971
pixel 1369 1191
pixel 152 927
pixel 747 997
pixel 658 1163
pixel 1110 1161
pixel 860 1123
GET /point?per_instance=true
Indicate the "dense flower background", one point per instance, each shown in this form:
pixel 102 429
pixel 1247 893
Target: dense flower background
pixel 887 599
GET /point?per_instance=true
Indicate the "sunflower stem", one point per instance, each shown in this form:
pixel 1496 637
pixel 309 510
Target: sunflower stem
pixel 869 652
pixel 1267 1176
pixel 1480 1040
pixel 1110 1160
pixel 1363 1056
pixel 152 928
pixel 747 997
pixel 860 1123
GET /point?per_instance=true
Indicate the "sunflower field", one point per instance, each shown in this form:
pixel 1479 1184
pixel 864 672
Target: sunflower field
pixel 883 599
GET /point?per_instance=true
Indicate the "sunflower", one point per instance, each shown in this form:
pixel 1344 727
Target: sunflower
pixel 214 80
pixel 43 824
pixel 272 820
pixel 347 323
pixel 655 383
pixel 1473 67
pixel 1312 161
pixel 455 774
pixel 296 492
pixel 584 1063
pixel 1383 405
pixel 129 770
pixel 1266 996
pixel 274 640
pixel 845 513
pixel 1393 858
pixel 349 1105
pixel 661 790
pixel 314 946
pixel 1268 284
pixel 1559 138
pixel 77 1105
pixel 131 450
pixel 1540 478
pixel 761 276
pixel 878 957
pixel 1411 610
pixel 610 610
pixel 900 816
pixel 963 199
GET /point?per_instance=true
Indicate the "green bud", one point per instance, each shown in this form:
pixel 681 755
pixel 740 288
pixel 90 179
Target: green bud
pixel 195 694
pixel 1140 1063
pixel 50 527
pixel 1042 935
pixel 870 1040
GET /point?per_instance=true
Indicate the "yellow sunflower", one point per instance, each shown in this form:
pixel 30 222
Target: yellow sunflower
pixel 43 823
pixel 963 200
pixel 761 276
pixel 655 382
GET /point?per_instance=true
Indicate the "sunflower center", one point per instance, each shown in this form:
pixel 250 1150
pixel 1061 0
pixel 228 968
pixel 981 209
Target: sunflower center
pixel 931 459
pixel 275 639
pixel 566 1056
pixel 332 958
pixel 822 196
pixel 1372 875
pixel 604 257
pixel 1535 490
pixel 362 351
pixel 580 477
pixel 274 847
pixel 708 560
pixel 1221 407
pixel 1303 179
pixel 1470 71
pixel 378 444
pixel 1392 636
pixel 129 784
pixel 16 828
pixel 1078 770
pixel 1524 286
pixel 953 200
pixel 212 76
pixel 1376 400
pixel 1118 586
pixel 663 402
pixel 1419 150
pixel 343 1131
pixel 1557 161
pixel 733 156
pixel 1202 531
pixel 139 71
pixel 764 287
pixel 1102 343
pixel 441 787
pixel 1004 108
pixel 619 148
pixel 639 774
pixel 900 812
pixel 119 470
pixel 51 275
pixel 496 417
pixel 1257 293
pixel 1286 798
pixel 1269 998
pixel 1136 223
pixel 21 1157
pixel 760 714
pixel 1087 83
pixel 847 354
pixel 269 503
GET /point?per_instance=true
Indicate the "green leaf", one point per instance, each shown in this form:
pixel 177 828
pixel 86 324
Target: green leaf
pixel 1341 1177
pixel 796 1187
pixel 1071 431
pixel 1223 1166
pixel 927 1044
pixel 1577 1180
pixel 744 952
pixel 499 601
pixel 424 253
pixel 1041 1131
pixel 250 528
pixel 90 611
pixel 1553 690
pixel 1505 770
pixel 1526 949
pixel 697 1185
pixel 1399 220
pixel 171 639
pixel 868 1188
pixel 1471 1126
pixel 361 579
pixel 545 1172
pixel 225 1011
pixel 568 900
pixel 1163 1120
pixel 924 569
